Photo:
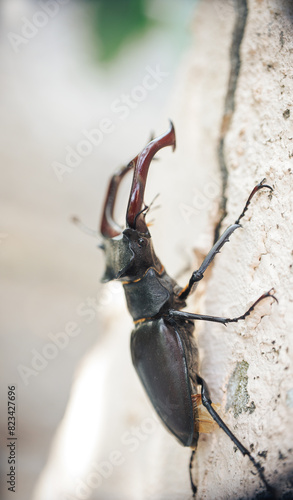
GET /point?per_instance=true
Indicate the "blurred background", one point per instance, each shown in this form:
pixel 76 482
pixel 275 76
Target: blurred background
pixel 83 86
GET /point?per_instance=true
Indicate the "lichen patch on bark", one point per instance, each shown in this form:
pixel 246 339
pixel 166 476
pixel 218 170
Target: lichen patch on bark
pixel 237 394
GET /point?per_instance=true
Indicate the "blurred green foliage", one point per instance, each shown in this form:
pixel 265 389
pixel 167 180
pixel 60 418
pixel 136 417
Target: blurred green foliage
pixel 117 21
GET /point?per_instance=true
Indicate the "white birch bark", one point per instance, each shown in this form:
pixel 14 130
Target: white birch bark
pixel 249 365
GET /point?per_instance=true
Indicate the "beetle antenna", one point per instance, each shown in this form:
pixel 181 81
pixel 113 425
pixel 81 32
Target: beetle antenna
pixel 83 228
pixel 153 201
pixel 147 208
pixel 143 211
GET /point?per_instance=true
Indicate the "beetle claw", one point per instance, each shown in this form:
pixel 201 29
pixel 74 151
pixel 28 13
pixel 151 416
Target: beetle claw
pixel 271 293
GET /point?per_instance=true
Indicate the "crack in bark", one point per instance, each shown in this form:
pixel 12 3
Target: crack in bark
pixel 241 12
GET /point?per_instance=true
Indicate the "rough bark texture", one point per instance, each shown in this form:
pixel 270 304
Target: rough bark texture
pixel 249 366
pixel 232 110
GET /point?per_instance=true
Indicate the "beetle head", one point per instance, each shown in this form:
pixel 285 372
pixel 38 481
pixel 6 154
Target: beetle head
pixel 130 253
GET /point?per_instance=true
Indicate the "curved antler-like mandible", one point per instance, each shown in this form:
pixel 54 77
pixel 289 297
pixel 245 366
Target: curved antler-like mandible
pixel 134 215
pixel 109 228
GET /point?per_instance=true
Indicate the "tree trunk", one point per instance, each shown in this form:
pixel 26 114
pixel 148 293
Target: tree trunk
pixel 248 366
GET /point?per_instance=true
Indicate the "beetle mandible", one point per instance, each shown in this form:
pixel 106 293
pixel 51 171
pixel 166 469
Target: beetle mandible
pixel 163 349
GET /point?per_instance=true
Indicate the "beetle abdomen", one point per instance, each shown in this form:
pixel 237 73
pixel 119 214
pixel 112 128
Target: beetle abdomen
pixel 158 355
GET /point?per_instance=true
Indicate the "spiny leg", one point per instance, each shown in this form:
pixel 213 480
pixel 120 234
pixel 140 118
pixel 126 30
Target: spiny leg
pixel 247 313
pixel 198 275
pixel 173 313
pixel 259 186
pixel 206 400
pixel 193 486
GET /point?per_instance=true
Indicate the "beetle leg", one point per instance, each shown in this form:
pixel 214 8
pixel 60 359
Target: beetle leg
pixel 109 227
pixel 193 486
pixel 187 315
pixel 247 313
pixel 198 275
pixel 173 313
pixel 206 401
pixel 259 186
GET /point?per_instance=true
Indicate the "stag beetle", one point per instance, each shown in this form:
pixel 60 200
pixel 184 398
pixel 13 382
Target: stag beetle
pixel 163 349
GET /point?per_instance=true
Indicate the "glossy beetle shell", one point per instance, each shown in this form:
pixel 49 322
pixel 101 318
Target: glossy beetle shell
pixel 160 357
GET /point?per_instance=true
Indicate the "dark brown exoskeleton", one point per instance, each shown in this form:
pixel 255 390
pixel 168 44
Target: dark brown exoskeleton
pixel 163 349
